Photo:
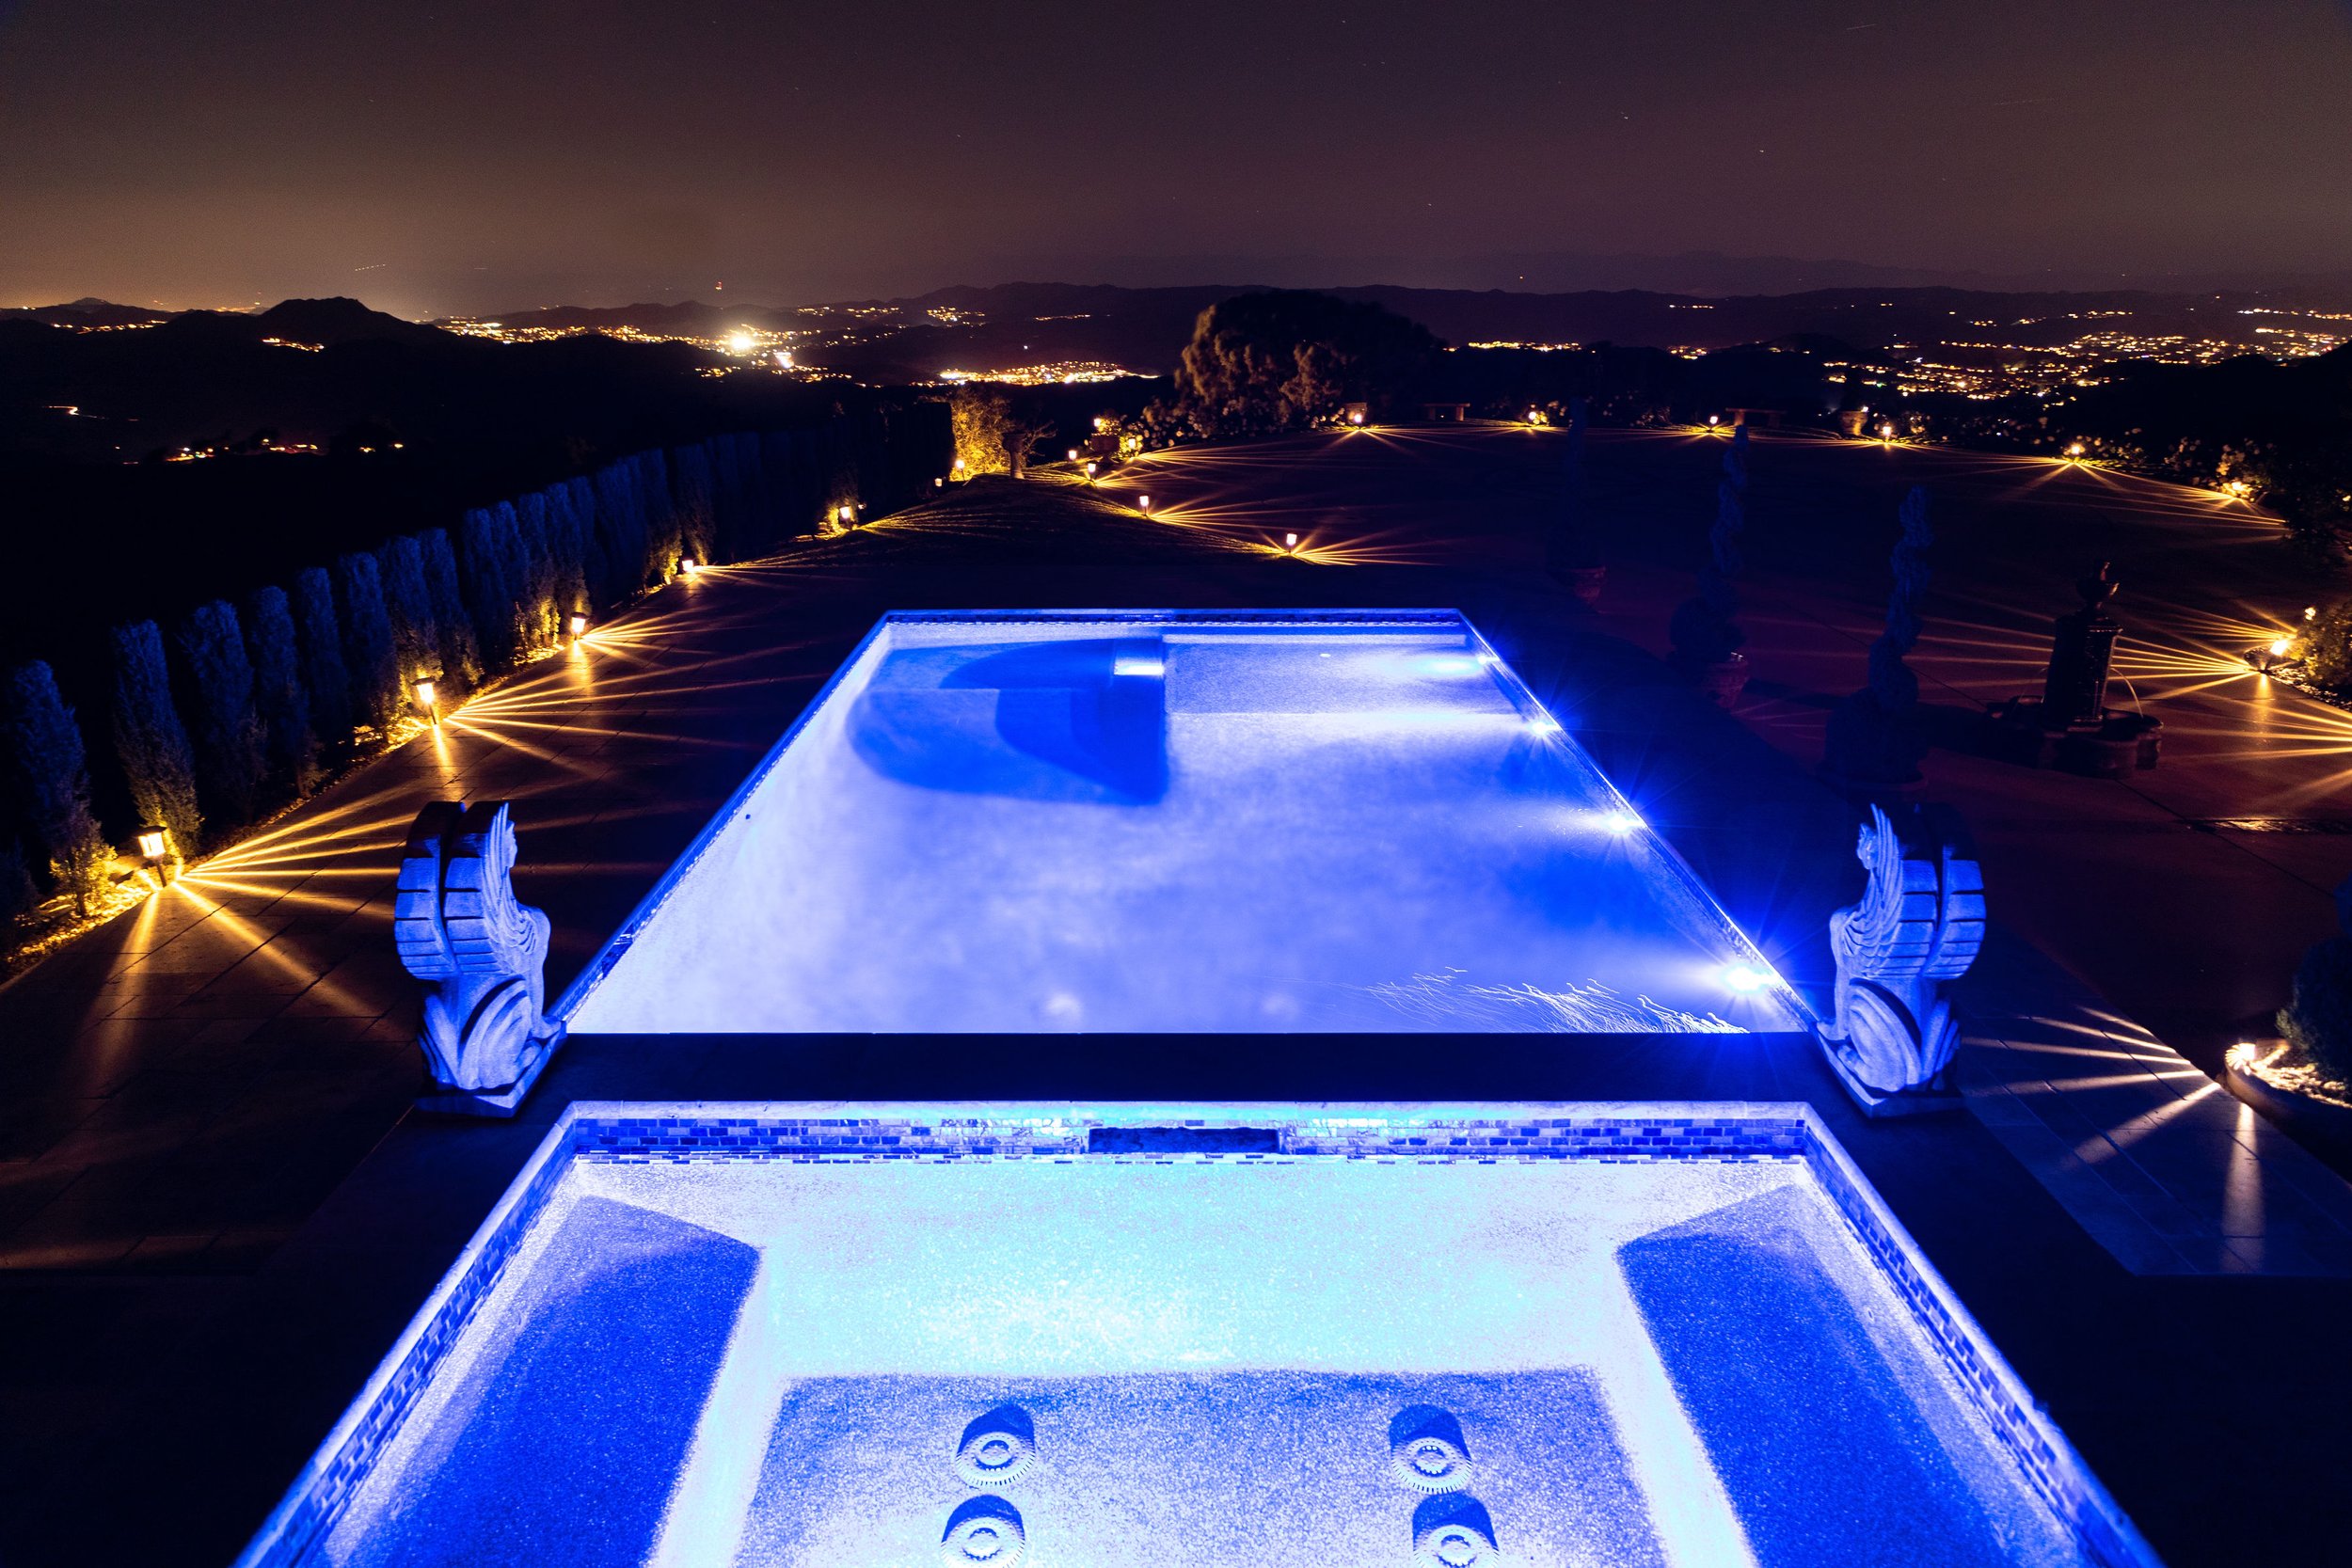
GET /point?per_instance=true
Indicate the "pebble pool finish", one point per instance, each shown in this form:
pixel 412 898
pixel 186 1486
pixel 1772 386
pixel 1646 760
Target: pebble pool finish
pixel 719 1339
pixel 1137 822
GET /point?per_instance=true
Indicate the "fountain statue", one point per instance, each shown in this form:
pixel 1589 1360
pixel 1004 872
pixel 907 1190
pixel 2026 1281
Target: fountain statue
pixel 1918 926
pixel 479 953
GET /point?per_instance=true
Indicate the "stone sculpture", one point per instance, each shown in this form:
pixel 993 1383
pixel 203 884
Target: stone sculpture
pixel 479 953
pixel 1918 926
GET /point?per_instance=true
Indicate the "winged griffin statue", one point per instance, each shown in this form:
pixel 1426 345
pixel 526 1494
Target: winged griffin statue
pixel 1918 926
pixel 479 953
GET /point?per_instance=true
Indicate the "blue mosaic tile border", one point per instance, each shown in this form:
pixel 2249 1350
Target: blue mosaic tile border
pixel 632 1134
pixel 2049 1463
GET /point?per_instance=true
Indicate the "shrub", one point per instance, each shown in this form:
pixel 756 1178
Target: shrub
pixel 461 655
pixel 218 683
pixel 2318 1018
pixel 416 636
pixel 49 785
pixel 2327 647
pixel 158 766
pixel 323 676
pixel 376 694
pixel 289 749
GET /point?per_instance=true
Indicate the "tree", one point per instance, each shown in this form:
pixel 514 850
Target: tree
pixel 1702 628
pixel 461 658
pixel 375 688
pixel 535 561
pixel 978 419
pixel 487 551
pixel 694 492
pixel 1285 359
pixel 416 634
pixel 48 784
pixel 158 766
pixel 289 749
pixel 1021 439
pixel 218 688
pixel 324 678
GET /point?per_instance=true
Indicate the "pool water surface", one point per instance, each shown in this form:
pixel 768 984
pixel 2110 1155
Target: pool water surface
pixel 1194 1359
pixel 1126 821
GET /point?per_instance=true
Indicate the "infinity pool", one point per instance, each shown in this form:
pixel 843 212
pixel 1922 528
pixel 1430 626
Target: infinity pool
pixel 1606 1335
pixel 1130 821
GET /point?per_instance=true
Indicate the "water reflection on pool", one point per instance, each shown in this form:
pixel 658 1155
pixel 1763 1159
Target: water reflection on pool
pixel 1133 821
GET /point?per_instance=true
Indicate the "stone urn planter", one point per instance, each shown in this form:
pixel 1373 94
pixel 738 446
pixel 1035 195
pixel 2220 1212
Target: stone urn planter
pixel 2253 1071
pixel 1585 582
pixel 1724 680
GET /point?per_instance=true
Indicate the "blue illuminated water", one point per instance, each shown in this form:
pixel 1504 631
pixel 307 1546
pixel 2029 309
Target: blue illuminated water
pixel 1060 825
pixel 738 1365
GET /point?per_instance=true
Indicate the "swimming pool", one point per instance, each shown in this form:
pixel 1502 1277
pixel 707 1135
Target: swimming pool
pixel 1600 1334
pixel 1126 821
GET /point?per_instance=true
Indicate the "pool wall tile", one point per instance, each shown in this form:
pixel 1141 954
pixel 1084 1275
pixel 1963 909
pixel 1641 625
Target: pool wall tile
pixel 629 1134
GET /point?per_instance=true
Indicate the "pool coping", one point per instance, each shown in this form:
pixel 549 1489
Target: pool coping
pixel 616 946
pixel 1613 1132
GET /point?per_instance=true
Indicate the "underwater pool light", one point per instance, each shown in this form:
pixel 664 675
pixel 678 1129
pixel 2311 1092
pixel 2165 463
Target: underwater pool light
pixel 1138 664
pixel 1747 977
pixel 1621 822
pixel 1544 724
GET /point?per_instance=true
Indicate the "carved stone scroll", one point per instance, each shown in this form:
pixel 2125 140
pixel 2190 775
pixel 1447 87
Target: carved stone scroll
pixel 479 953
pixel 1917 927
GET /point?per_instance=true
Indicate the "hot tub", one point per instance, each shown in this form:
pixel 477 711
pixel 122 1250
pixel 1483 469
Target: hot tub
pixel 1595 1333
pixel 1127 821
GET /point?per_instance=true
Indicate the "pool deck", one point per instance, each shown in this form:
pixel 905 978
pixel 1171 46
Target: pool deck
pixel 188 1307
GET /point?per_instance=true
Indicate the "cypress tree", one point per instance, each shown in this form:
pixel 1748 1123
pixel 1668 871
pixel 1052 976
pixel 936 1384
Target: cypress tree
pixel 375 689
pixel 217 688
pixel 485 557
pixel 149 743
pixel 694 489
pixel 324 678
pixel 565 563
pixel 48 784
pixel 538 570
pixel 288 748
pixel 461 657
pixel 595 565
pixel 660 514
pixel 416 637
pixel 621 528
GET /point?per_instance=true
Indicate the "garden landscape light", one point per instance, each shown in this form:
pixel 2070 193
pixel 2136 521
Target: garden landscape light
pixel 425 703
pixel 154 847
pixel 578 627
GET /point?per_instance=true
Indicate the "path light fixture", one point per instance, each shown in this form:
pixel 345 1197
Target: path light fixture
pixel 846 514
pixel 2311 612
pixel 687 566
pixel 939 484
pixel 1290 543
pixel 427 705
pixel 154 847
pixel 1073 454
pixel 1712 419
pixel 2074 452
pixel 958 469
pixel 1143 504
pixel 1090 467
pixel 579 624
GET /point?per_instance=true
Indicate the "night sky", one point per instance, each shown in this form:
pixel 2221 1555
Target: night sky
pixel 437 158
